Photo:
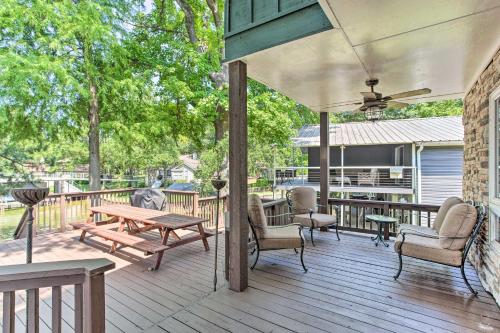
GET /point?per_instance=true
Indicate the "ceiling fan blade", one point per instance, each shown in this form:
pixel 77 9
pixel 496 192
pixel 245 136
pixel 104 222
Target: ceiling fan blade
pixel 369 94
pixel 341 106
pixel 409 94
pixel 396 105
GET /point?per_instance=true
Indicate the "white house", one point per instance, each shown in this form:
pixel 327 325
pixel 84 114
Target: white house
pixel 185 170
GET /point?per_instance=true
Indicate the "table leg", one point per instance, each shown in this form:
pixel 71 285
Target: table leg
pixel 203 237
pixel 380 235
pixel 376 236
pixel 90 219
pixel 159 255
pixel 121 227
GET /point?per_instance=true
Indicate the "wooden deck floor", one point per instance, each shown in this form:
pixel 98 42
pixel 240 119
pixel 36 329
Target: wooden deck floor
pixel 349 287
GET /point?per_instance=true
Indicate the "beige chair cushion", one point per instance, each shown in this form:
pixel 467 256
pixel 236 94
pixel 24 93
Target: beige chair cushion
pixel 418 230
pixel 458 225
pixel 428 249
pixel 282 237
pixel 303 200
pixel 320 220
pixel 257 215
pixel 441 214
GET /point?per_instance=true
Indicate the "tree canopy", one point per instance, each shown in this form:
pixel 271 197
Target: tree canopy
pixel 129 85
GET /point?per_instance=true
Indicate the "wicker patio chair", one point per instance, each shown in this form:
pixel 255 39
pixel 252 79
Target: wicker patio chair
pixel 449 244
pixel 272 237
pixel 302 202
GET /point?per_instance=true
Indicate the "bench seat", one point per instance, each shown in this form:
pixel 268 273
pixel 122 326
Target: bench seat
pixel 122 238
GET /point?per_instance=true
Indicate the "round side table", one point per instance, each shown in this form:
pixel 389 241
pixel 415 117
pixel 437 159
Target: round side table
pixel 381 221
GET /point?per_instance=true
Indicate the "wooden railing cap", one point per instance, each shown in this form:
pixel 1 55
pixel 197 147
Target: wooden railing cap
pixel 89 267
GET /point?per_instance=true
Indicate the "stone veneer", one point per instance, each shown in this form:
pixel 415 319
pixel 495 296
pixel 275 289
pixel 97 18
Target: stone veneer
pixel 475 181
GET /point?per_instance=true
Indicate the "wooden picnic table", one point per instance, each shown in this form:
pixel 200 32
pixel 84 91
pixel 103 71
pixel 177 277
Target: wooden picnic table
pixel 135 220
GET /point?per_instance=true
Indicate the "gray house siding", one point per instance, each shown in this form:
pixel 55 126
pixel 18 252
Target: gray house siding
pixel 441 174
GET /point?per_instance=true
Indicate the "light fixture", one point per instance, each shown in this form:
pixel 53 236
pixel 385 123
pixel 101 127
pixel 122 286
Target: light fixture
pixel 374 113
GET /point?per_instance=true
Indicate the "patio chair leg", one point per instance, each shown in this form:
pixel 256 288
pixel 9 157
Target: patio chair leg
pixel 466 281
pixel 337 231
pixel 256 259
pixel 302 257
pixel 295 250
pixel 400 266
pixel 312 239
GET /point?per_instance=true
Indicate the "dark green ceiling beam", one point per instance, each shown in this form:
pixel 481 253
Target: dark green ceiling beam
pixel 255 25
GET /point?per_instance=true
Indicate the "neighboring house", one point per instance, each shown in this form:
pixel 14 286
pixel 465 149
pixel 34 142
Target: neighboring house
pixel 185 170
pixel 416 160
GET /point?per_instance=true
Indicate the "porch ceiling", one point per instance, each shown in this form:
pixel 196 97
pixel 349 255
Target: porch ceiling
pixel 442 45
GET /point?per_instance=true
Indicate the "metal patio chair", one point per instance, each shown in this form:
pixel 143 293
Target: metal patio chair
pixel 448 245
pixel 272 237
pixel 302 202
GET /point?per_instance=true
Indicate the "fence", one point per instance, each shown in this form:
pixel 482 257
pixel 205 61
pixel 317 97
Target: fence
pixel 352 213
pixel 58 210
pixel 86 277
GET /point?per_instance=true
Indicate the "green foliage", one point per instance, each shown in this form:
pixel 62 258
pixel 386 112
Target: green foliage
pixel 419 110
pixel 161 89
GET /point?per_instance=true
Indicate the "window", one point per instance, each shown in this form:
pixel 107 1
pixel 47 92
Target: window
pixel 494 167
pixel 399 155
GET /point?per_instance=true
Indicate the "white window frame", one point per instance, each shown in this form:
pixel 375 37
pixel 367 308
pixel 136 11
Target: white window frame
pixel 494 202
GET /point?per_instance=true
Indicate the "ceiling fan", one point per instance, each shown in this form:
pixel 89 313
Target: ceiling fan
pixel 374 103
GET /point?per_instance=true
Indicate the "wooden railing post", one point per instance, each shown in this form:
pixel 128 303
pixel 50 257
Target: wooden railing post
pixel 32 311
pixel 94 303
pixel 62 212
pixel 56 309
pixel 196 198
pixel 9 312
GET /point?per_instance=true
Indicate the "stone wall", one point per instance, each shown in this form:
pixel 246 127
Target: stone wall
pixel 475 182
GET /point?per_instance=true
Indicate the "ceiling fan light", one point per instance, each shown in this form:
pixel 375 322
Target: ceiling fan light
pixel 374 113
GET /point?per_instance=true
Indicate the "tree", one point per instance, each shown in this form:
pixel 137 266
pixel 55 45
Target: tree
pixel 61 66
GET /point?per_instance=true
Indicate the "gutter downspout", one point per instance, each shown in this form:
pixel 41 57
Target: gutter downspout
pixel 419 173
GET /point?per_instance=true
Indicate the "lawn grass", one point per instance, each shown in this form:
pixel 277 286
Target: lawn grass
pixel 9 220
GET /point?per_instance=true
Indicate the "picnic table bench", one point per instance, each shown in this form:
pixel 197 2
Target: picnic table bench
pixel 134 220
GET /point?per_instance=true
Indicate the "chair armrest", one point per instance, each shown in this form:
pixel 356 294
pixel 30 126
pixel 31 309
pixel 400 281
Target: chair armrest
pixel 415 232
pixel 449 237
pixel 285 214
pixel 423 234
pixel 287 225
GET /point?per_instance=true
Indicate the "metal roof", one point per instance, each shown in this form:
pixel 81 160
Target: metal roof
pixel 435 130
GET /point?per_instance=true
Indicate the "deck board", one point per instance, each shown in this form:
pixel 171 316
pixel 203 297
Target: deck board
pixel 348 288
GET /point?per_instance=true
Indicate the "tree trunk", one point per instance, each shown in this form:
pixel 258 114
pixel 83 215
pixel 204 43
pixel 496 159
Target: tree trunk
pixel 219 123
pixel 94 155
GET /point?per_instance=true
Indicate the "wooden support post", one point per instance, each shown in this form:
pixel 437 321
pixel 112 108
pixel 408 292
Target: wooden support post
pixel 324 166
pixel 238 201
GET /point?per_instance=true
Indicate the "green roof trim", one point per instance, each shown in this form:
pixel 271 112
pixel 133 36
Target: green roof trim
pixel 256 25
